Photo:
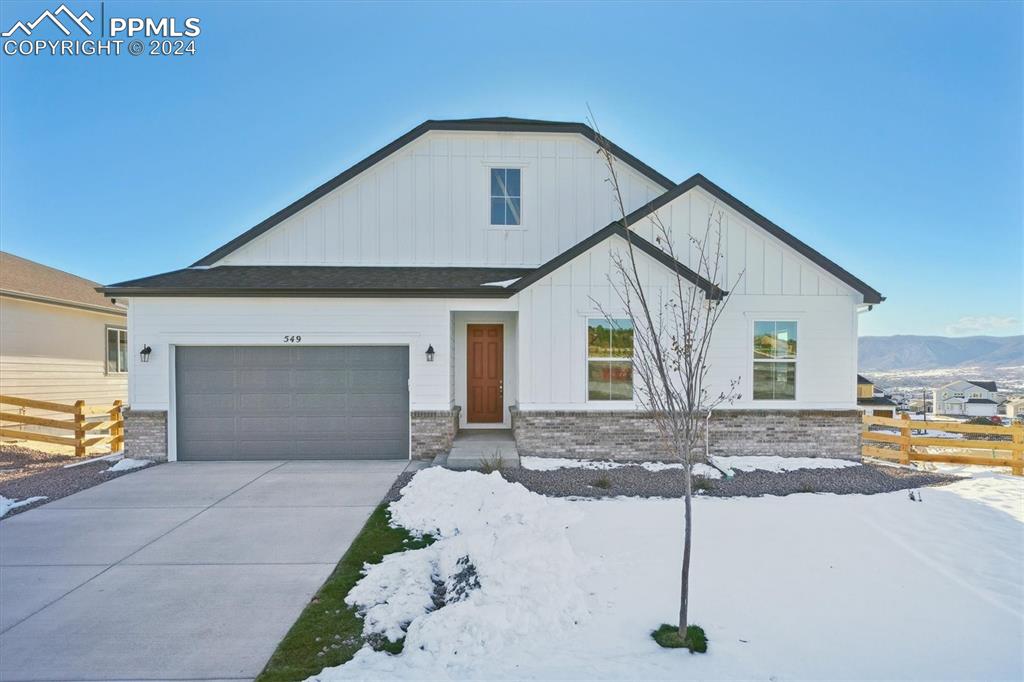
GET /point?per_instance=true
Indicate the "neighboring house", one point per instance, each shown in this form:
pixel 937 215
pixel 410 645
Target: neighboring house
pixel 969 398
pixel 453 280
pixel 1015 408
pixel 60 340
pixel 872 401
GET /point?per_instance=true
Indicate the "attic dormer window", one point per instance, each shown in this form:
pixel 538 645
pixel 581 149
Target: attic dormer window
pixel 506 200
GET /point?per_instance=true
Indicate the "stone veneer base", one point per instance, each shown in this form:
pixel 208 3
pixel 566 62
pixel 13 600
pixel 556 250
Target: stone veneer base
pixel 145 434
pixel 433 431
pixel 633 436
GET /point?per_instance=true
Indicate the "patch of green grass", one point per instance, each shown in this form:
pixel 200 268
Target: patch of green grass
pixel 329 632
pixel 701 484
pixel 603 483
pixel 668 636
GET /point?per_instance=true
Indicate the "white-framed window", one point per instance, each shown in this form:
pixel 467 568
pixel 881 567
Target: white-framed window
pixel 506 196
pixel 609 359
pixel 775 352
pixel 117 350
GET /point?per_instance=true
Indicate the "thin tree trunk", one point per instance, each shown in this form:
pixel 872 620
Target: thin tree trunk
pixel 684 577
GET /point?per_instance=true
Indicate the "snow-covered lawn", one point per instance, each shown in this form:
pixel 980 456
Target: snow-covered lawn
pixel 799 587
pixel 7 505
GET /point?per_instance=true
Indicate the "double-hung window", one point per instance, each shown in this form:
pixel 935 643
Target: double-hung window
pixel 506 196
pixel 609 359
pixel 117 350
pixel 774 360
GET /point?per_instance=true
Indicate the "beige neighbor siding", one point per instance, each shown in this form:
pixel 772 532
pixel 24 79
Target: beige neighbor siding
pixel 56 353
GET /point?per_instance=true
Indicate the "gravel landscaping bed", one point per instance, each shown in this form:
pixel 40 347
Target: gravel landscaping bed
pixel 25 472
pixel 396 487
pixel 635 481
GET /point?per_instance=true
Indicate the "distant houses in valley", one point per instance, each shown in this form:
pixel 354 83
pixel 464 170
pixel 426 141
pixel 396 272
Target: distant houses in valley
pixel 1015 408
pixel 967 398
pixel 872 401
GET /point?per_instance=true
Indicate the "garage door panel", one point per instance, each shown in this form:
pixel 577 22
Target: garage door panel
pixel 368 405
pixel 262 379
pixel 211 357
pixel 319 403
pixel 205 380
pixel 370 380
pixel 264 403
pixel 208 427
pixel 330 379
pixel 198 405
pixel 268 357
pixel 311 402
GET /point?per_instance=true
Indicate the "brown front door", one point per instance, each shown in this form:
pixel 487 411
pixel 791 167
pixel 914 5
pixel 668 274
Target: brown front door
pixel 485 373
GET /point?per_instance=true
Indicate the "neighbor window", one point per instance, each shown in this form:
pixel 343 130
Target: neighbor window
pixel 117 350
pixel 609 359
pixel 774 360
pixel 505 196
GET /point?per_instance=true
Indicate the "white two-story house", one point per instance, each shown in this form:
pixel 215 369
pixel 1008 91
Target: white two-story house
pixel 970 398
pixel 452 280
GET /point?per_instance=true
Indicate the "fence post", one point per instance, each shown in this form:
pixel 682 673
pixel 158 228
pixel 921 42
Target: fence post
pixel 1017 454
pixel 79 428
pixel 905 440
pixel 117 431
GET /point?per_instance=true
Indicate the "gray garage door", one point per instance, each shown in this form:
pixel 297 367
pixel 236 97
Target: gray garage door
pixel 292 402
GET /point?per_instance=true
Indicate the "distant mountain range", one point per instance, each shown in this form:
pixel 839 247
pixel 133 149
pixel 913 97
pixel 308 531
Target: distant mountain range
pixel 905 352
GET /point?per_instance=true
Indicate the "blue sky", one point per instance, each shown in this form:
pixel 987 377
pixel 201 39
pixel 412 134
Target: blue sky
pixel 888 136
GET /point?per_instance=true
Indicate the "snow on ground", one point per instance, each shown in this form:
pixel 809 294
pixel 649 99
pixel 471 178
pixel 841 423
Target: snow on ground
pixel 7 505
pixel 127 464
pixel 798 587
pixel 780 464
pixel 728 464
pixel 552 463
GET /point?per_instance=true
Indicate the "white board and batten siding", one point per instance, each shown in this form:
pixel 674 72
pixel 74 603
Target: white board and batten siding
pixel 553 316
pixel 428 203
pixel 164 323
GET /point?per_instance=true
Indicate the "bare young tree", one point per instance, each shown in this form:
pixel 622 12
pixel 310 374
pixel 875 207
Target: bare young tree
pixel 673 324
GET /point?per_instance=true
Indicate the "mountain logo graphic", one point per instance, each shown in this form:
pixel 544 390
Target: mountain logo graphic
pixel 78 21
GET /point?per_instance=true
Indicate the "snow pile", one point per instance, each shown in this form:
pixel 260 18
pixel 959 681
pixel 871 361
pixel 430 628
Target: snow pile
pixel 778 465
pixel 505 283
pixel 127 464
pixel 795 587
pixel 7 504
pixel 491 567
pixel 553 463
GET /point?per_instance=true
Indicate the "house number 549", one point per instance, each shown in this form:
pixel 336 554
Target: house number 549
pixel 293 339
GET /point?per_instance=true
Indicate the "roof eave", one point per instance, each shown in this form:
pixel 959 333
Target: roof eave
pixel 64 303
pixel 263 292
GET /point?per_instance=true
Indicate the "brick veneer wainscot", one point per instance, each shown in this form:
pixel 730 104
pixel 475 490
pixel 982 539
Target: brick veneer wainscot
pixel 145 434
pixel 433 431
pixel 633 435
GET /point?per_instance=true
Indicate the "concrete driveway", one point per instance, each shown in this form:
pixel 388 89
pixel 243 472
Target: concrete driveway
pixel 186 571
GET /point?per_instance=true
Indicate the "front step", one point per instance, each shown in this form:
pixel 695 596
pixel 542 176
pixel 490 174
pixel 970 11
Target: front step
pixel 480 449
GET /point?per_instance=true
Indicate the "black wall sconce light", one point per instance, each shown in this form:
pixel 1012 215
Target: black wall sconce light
pixel 430 353
pixel 144 353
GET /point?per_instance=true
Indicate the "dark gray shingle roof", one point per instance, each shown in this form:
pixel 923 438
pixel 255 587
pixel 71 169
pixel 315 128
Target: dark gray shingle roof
pixel 987 385
pixel 305 280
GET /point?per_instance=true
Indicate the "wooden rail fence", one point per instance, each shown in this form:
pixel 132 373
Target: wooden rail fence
pixel 103 418
pixel 905 447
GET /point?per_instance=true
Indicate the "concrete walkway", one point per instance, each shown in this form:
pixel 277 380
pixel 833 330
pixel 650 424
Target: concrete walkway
pixel 186 571
pixel 474 448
